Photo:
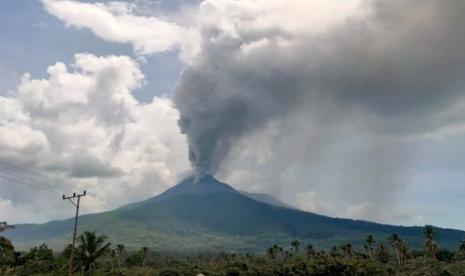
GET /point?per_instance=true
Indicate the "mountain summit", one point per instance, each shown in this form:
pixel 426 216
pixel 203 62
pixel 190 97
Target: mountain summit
pixel 210 215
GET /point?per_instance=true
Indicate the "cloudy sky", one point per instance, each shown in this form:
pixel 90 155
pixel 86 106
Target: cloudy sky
pixel 350 109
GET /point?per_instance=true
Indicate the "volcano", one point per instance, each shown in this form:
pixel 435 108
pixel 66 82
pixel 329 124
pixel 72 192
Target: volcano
pixel 208 215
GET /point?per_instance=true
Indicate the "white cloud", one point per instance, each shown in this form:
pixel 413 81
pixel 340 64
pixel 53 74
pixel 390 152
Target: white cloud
pixel 119 22
pixel 83 126
pixel 115 22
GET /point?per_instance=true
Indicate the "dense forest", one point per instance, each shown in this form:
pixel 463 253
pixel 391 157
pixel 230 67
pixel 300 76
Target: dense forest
pixel 94 255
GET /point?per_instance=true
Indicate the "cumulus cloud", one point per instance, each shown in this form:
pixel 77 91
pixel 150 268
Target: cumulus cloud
pixel 83 126
pixel 116 22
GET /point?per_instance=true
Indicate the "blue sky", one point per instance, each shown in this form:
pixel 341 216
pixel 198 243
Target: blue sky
pixel 428 165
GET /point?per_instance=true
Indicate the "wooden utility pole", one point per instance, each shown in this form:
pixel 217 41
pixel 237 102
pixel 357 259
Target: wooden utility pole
pixel 70 198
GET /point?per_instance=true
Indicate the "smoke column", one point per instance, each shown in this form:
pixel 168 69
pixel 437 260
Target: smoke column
pixel 256 67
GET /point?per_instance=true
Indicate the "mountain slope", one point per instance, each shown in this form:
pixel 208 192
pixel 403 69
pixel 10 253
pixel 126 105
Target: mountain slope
pixel 266 199
pixel 210 215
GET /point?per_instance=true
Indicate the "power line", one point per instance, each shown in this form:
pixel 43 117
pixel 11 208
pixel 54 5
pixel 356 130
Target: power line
pixel 25 176
pixel 21 168
pixel 22 181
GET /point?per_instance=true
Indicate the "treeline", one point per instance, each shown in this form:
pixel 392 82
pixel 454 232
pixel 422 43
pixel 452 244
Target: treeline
pixel 94 255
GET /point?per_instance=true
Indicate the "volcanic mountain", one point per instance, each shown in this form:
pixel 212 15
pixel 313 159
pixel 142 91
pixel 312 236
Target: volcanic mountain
pixel 208 215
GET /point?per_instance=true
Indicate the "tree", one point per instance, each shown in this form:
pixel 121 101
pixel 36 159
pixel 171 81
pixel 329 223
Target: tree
pixel 404 252
pixel 310 251
pixel 40 259
pixel 145 251
pixel 90 248
pixel 6 252
pixel 273 251
pixel 120 249
pixel 295 246
pixel 347 250
pixel 430 245
pixel 395 241
pixel 369 241
pixel 382 255
pixel 5 245
pixel 4 226
pixel 333 251
pixel 114 259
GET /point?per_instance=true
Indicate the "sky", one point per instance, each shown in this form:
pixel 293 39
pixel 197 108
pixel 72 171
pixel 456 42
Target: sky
pixel 349 109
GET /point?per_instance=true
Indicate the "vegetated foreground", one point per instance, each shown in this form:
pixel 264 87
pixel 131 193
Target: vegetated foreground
pixel 210 216
pixel 96 256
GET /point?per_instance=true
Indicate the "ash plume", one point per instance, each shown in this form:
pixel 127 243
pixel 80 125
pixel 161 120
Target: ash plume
pixel 396 66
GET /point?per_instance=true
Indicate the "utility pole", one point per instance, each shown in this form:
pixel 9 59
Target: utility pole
pixel 70 198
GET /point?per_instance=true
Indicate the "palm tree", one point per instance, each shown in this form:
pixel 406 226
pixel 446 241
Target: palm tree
pixel 114 259
pixel 347 249
pixel 4 226
pixel 280 250
pixel 273 251
pixel 295 246
pixel 90 248
pixel 120 248
pixel 404 252
pixel 395 241
pixel 270 253
pixel 382 255
pixel 369 241
pixel 430 235
pixel 333 251
pixel 310 251
pixel 145 251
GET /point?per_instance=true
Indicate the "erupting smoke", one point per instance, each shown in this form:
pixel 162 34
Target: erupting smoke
pixel 383 65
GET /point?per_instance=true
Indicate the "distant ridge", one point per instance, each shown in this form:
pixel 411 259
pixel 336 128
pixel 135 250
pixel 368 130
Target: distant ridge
pixel 209 215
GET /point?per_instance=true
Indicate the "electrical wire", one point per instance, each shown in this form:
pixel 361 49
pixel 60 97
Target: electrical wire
pixel 22 175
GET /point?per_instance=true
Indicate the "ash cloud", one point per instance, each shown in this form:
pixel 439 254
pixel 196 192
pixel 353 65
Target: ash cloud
pixel 395 71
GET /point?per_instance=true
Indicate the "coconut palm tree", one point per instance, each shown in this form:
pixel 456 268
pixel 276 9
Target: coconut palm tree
pixel 395 241
pixel 430 236
pixel 114 259
pixel 270 253
pixel 273 251
pixel 333 251
pixel 310 251
pixel 369 241
pixel 295 246
pixel 404 252
pixel 145 251
pixel 90 248
pixel 120 249
pixel 347 249
pixel 382 255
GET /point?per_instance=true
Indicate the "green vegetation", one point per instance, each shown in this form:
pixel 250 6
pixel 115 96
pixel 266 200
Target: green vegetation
pixel 95 256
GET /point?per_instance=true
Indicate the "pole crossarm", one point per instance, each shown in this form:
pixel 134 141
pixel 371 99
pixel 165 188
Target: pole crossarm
pixel 70 199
